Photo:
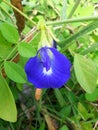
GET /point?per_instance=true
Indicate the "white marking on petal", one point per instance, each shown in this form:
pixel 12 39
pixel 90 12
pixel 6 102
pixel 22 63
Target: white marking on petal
pixel 49 72
pixel 50 54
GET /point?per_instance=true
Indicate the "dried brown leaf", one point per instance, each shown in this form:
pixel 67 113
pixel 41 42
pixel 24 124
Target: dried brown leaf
pixel 50 122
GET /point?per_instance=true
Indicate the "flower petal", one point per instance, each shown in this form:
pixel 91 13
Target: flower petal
pixel 60 68
pixel 55 77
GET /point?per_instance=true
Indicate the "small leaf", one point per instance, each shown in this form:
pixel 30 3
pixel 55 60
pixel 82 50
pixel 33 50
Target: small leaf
pixel 86 73
pixel 42 126
pixel 26 50
pixel 5 47
pixel 64 127
pixel 87 126
pixel 15 72
pixel 65 111
pixel 9 32
pixel 59 97
pixel 82 110
pixel 8 110
pixel 71 96
pixel 92 96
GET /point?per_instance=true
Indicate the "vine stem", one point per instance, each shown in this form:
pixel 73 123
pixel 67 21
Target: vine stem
pixel 3 9
pixel 13 51
pixel 83 19
pixel 71 12
pixel 72 20
pixel 25 16
pixel 74 8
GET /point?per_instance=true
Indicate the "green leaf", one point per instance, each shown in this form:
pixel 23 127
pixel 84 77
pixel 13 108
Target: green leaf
pixel 82 110
pixel 9 32
pixel 92 96
pixel 36 39
pixel 15 72
pixel 65 111
pixel 8 110
pixel 5 47
pixel 86 10
pixel 64 127
pixel 26 50
pixel 87 126
pixel 42 126
pixel 59 97
pixel 86 73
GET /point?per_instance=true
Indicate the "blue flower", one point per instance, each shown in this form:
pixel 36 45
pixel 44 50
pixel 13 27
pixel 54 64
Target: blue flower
pixel 48 69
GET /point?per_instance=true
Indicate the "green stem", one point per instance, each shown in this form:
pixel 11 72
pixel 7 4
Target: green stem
pixel 11 126
pixel 69 41
pixel 73 20
pixel 38 110
pixel 71 13
pixel 64 8
pixel 58 117
pixel 74 8
pixel 13 51
pixel 25 16
pixel 3 9
pixel 1 16
pixel 74 112
pixel 90 49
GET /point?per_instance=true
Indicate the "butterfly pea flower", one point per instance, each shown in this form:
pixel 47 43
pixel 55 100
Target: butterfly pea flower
pixel 48 69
